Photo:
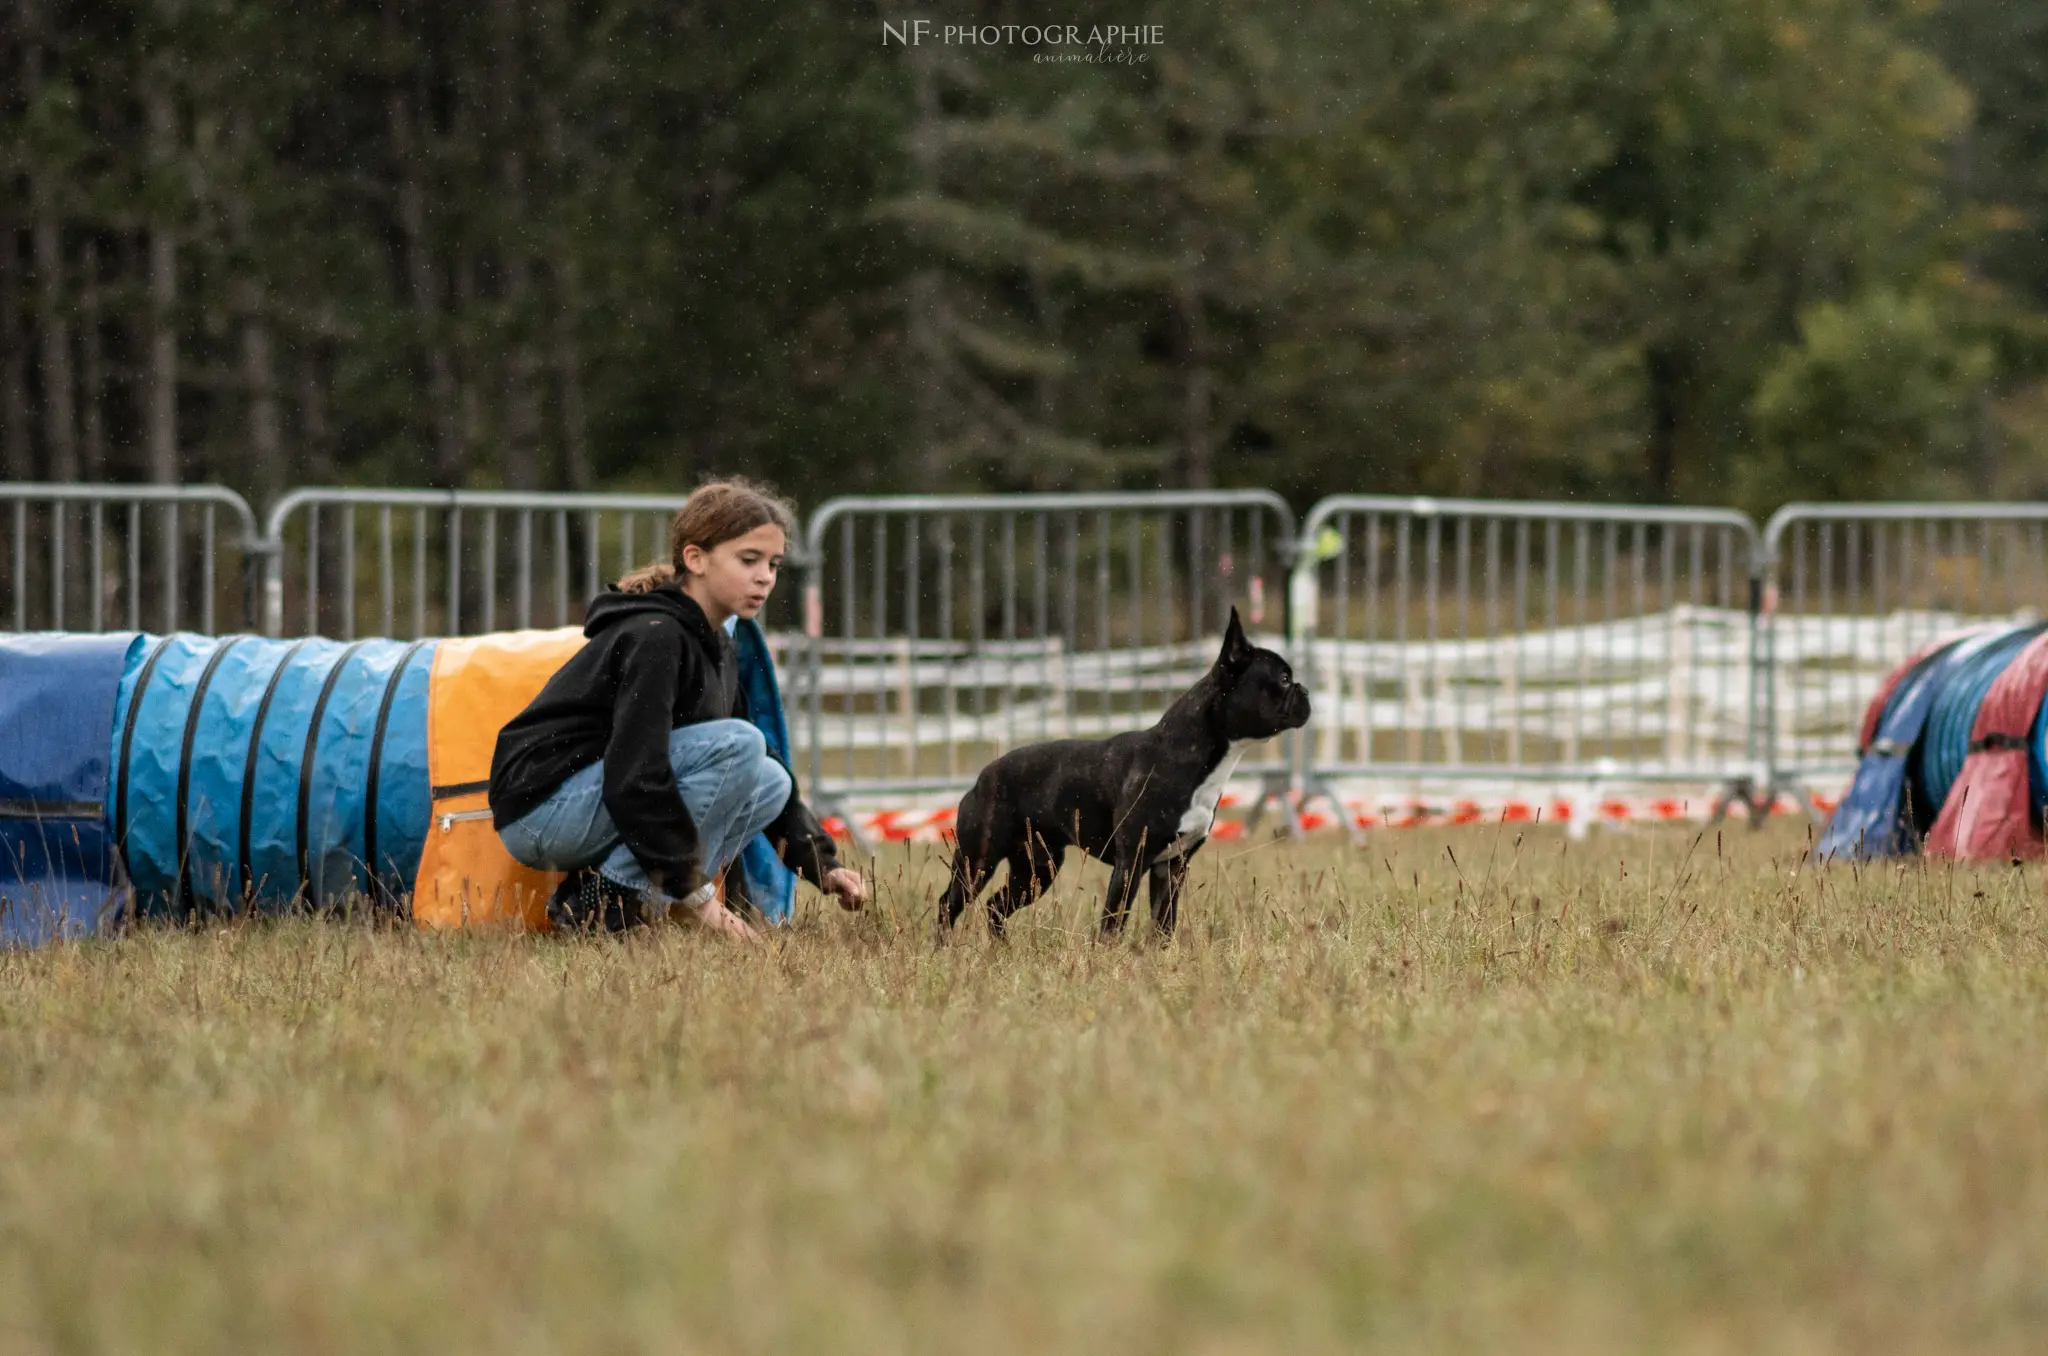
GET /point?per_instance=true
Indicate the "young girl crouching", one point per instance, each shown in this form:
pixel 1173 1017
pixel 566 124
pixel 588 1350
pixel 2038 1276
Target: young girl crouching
pixel 635 768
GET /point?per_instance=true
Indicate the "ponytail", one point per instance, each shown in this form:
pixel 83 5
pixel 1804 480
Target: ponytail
pixel 647 578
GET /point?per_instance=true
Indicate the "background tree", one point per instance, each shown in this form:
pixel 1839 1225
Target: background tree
pixel 1636 249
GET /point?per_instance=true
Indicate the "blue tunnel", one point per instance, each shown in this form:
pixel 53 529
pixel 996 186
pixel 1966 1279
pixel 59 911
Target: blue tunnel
pixel 250 772
pixel 58 876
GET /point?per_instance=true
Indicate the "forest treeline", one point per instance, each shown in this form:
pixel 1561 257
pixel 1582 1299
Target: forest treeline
pixel 1650 250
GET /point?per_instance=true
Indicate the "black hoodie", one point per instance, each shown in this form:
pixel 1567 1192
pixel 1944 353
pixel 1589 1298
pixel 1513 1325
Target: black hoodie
pixel 654 663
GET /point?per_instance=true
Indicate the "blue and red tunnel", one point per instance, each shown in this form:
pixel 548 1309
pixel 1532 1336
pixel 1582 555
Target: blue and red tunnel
pixel 1954 754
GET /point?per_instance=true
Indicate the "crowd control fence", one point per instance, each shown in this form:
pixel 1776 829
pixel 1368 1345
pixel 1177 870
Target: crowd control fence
pixel 126 557
pixel 1478 641
pixel 1447 643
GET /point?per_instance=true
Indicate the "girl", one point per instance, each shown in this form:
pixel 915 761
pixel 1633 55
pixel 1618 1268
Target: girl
pixel 635 769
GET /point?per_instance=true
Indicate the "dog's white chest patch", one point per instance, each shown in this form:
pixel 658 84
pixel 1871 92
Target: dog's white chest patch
pixel 1201 811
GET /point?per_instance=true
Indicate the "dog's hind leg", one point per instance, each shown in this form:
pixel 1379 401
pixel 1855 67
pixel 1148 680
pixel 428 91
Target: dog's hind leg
pixel 1033 864
pixel 976 850
pixel 968 876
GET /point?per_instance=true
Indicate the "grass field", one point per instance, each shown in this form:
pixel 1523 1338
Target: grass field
pixel 1451 1093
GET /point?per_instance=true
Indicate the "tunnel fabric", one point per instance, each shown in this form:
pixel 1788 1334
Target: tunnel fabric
pixel 245 823
pixel 770 884
pixel 409 812
pixel 241 783
pixel 465 876
pixel 1874 711
pixel 154 712
pixel 1993 811
pixel 181 898
pixel 312 877
pixel 132 682
pixel 57 877
pixel 1877 817
pixel 1946 744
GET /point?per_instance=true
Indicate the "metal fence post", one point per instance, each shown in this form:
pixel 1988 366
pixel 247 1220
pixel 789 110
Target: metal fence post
pixel 1763 704
pixel 813 632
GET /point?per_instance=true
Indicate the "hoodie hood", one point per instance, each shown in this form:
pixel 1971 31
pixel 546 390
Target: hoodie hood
pixel 611 607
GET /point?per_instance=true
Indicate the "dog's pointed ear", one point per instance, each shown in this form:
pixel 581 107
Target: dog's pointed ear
pixel 1236 649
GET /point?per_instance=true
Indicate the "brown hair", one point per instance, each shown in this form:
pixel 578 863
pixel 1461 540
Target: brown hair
pixel 717 511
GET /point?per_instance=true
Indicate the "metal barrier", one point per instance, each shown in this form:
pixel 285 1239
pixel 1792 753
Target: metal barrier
pixel 410 563
pixel 1488 641
pixel 1852 590
pixel 1445 640
pixel 943 631
pixel 98 557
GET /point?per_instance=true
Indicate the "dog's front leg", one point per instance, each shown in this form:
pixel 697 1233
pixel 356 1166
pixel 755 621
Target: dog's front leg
pixel 1164 888
pixel 1124 875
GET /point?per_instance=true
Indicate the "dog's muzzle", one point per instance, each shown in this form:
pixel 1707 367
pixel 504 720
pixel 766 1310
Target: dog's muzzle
pixel 1297 707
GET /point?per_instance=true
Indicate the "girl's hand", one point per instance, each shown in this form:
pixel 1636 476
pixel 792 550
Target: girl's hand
pixel 846 883
pixel 723 921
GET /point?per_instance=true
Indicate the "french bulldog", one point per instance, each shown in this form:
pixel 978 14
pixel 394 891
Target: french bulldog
pixel 1142 802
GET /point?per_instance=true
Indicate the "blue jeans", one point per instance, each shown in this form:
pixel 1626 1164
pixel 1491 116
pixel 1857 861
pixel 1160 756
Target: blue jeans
pixel 732 787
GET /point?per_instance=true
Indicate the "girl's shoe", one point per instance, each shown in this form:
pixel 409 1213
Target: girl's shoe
pixel 586 902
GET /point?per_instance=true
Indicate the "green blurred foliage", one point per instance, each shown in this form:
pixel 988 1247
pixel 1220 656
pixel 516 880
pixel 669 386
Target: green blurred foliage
pixel 1620 249
pixel 1880 390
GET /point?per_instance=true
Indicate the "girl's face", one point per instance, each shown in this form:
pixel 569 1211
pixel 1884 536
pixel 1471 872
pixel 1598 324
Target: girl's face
pixel 738 575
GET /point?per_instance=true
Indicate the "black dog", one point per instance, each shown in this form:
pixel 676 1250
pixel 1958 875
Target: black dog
pixel 1142 802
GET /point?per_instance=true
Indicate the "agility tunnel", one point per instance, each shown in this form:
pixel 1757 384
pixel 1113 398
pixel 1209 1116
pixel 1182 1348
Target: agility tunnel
pixel 57 870
pixel 173 775
pixel 1953 760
